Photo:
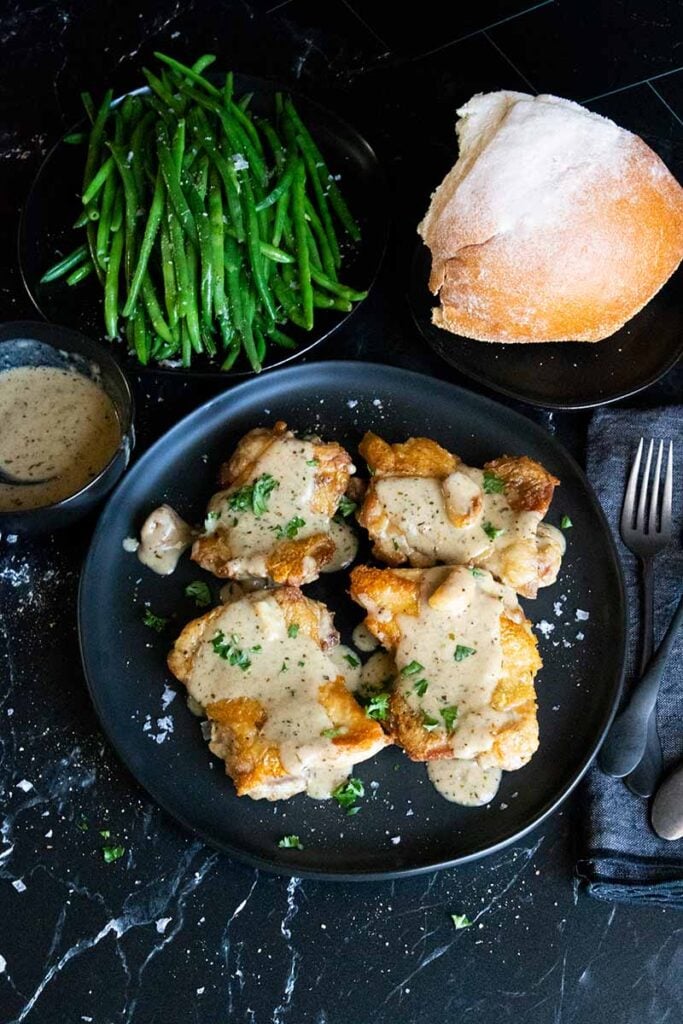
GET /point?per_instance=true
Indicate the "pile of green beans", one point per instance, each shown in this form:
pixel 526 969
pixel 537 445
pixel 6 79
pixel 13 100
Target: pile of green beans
pixel 208 227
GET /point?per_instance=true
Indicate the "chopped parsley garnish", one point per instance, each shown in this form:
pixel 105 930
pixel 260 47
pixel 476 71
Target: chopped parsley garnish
pixel 421 687
pixel 312 462
pixel 199 592
pixel 492 531
pixel 449 716
pixel 462 652
pixel 347 793
pixel 477 573
pixel 290 531
pixel 285 666
pixel 461 921
pixel 290 843
pixel 493 484
pixel 230 652
pixel 254 497
pixel 566 523
pixel 428 722
pixel 82 825
pixel 412 668
pixel 293 630
pixel 346 506
pixel 112 853
pixel 332 732
pixel 353 662
pixel 211 517
pixel 105 833
pixel 156 622
pixel 378 707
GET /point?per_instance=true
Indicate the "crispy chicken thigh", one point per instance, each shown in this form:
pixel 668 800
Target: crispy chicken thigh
pixel 273 517
pixel 424 506
pixel 465 661
pixel 280 714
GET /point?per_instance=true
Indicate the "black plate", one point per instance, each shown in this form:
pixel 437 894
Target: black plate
pixel 52 205
pixel 125 666
pixel 570 375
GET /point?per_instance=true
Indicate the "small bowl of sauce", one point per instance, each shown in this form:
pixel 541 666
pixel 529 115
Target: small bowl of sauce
pixel 66 426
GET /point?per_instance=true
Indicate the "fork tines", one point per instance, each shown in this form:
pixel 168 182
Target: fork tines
pixel 657 520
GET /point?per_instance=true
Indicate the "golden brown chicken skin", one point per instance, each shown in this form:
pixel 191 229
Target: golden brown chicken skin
pixel 281 716
pixel 465 661
pixel 273 517
pixel 424 506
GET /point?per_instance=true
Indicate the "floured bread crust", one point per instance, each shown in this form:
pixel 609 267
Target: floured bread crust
pixel 553 225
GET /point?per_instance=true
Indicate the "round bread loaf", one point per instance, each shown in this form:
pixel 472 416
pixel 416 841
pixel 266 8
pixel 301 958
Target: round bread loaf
pixel 554 224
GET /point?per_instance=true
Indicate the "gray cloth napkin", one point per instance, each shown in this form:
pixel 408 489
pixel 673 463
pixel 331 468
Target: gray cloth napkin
pixel 621 857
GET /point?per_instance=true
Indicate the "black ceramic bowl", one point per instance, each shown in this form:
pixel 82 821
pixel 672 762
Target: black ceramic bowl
pixel 25 343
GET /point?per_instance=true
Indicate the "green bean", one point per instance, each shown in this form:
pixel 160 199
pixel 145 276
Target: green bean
pixel 313 251
pixel 235 133
pixel 179 262
pixel 185 345
pixel 202 63
pixel 65 265
pixel 244 102
pixel 149 237
pixel 273 253
pixel 298 213
pixel 178 145
pixel 229 88
pixel 81 221
pixel 80 273
pixel 131 207
pixel 75 138
pixel 229 360
pixel 246 124
pixel 192 317
pixel 227 173
pixel 274 142
pixel 98 181
pixel 282 186
pixel 154 311
pixel 205 252
pixel 326 254
pixel 202 176
pixel 208 343
pixel 331 302
pixel 168 274
pixel 104 223
pixel 337 200
pixel 95 141
pixel 111 286
pixel 337 289
pixel 162 111
pixel 325 215
pixel 117 212
pixel 141 340
pixel 217 243
pixel 253 247
pixel 171 178
pixel 281 339
pixel 260 343
pixel 286 299
pixel 139 147
pixel 164 94
pixel 281 211
pixel 238 301
pixel 184 72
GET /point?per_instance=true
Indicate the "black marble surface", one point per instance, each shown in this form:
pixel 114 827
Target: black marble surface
pixel 173 931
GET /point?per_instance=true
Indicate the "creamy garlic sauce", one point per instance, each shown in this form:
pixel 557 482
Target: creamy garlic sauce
pixel 456 641
pixel 57 426
pixel 417 509
pixel 348 664
pixel 464 782
pixel 346 543
pixel 163 538
pixel 292 465
pixel 378 672
pixel 284 674
pixel 363 639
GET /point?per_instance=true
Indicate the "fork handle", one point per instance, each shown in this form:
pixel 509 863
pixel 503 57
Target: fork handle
pixel 625 743
pixel 642 781
pixel 648 612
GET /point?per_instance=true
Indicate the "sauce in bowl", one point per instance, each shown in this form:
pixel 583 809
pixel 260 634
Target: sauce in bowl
pixel 58 431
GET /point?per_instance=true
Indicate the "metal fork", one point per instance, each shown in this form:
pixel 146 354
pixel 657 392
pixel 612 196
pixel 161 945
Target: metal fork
pixel 645 530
